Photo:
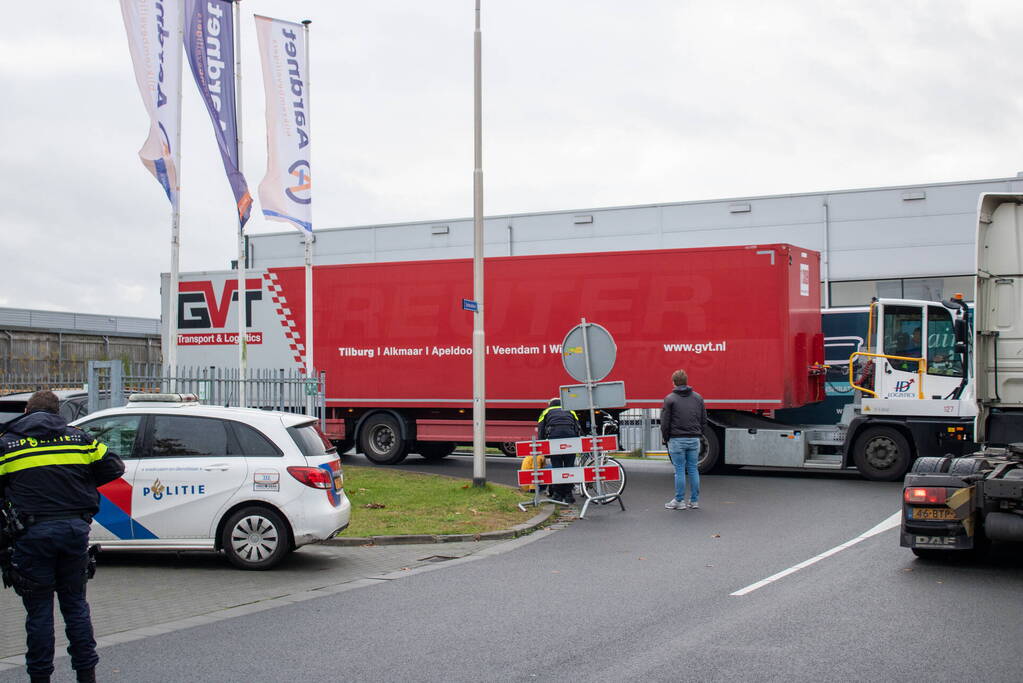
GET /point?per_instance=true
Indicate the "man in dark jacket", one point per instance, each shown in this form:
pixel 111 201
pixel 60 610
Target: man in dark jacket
pixel 48 474
pixel 557 423
pixel 683 419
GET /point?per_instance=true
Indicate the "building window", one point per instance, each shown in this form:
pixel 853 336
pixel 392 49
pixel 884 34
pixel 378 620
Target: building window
pixel 860 292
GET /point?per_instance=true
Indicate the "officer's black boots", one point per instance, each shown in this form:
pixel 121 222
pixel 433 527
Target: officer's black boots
pixel 86 675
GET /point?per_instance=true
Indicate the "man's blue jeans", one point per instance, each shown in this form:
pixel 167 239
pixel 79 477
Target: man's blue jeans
pixel 685 453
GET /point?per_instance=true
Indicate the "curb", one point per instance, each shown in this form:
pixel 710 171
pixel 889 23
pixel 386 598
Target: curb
pixel 518 530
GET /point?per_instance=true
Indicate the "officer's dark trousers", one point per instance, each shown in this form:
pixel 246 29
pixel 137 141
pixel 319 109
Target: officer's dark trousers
pixel 562 491
pixel 54 555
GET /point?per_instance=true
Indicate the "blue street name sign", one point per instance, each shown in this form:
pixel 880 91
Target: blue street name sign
pixel 470 305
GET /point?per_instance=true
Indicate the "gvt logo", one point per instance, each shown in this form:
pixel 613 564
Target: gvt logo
pixel 904 385
pixel 300 169
pixel 199 307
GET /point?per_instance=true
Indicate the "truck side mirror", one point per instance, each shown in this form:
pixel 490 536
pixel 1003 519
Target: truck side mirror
pixel 960 347
pixel 960 332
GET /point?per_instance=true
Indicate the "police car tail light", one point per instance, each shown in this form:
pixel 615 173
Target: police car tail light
pixel 311 476
pixel 932 495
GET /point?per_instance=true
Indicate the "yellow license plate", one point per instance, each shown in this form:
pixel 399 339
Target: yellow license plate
pixel 932 513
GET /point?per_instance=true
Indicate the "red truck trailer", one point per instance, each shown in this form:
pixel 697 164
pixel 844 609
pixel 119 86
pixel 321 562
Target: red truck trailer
pixel 396 345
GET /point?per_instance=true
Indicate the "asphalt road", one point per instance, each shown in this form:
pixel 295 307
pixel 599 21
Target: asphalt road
pixel 645 594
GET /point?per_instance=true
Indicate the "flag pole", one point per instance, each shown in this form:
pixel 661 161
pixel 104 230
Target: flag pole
pixel 479 406
pixel 309 365
pixel 172 298
pixel 242 359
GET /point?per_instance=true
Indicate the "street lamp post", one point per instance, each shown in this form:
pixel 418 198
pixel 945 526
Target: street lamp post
pixel 479 462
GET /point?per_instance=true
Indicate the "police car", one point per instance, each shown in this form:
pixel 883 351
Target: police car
pixel 254 484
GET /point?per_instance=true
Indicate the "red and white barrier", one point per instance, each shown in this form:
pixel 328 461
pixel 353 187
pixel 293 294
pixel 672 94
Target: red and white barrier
pixel 568 475
pixel 578 444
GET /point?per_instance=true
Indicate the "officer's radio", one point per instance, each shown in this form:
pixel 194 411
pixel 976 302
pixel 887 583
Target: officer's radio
pixel 10 528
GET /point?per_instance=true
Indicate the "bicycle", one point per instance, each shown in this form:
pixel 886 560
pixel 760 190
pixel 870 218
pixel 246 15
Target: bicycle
pixel 605 487
pixel 611 488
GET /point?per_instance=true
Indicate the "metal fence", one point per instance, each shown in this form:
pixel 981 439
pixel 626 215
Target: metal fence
pixel 16 382
pixel 640 429
pixel 110 382
pixel 37 355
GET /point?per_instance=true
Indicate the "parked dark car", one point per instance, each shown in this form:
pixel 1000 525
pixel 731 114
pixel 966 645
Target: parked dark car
pixel 73 404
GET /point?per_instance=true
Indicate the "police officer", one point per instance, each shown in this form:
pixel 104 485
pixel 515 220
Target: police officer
pixel 557 423
pixel 49 473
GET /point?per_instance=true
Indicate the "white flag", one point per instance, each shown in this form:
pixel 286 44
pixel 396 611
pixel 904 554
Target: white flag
pixel 154 39
pixel 286 190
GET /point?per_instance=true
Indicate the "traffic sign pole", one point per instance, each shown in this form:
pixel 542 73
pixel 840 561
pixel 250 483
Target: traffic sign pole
pixel 589 395
pixel 598 353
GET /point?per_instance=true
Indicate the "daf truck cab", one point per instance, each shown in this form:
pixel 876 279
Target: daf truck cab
pixel 961 503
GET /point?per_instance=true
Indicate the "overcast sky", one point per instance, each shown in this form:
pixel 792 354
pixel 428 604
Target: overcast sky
pixel 587 103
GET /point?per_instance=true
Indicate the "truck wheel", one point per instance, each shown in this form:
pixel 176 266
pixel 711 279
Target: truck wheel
pixel 927 465
pixel 381 442
pixel 507 448
pixel 882 454
pixel 710 451
pixel 343 445
pixel 964 466
pixel 435 450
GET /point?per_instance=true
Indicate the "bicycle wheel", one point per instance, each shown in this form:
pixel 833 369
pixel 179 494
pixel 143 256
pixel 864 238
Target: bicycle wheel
pixel 582 460
pixel 592 489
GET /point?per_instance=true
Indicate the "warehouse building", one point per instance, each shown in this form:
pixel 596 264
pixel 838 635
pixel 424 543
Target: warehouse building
pixel 912 241
pixel 54 348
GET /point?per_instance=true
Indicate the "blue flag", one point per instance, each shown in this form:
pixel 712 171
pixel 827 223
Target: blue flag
pixel 209 46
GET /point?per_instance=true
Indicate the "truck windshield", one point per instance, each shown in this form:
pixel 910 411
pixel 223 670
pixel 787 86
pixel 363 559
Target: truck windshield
pixel 941 356
pixel 903 327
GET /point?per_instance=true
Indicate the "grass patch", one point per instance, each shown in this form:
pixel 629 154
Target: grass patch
pixel 394 502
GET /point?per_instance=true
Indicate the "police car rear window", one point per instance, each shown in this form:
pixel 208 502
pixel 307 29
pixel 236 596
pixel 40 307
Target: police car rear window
pixel 310 441
pixel 175 436
pixel 253 443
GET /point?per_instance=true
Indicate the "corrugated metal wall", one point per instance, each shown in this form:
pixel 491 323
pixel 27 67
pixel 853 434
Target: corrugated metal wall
pixel 23 318
pixel 28 356
pixel 905 231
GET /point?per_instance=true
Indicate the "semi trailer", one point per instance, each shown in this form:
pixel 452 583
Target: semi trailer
pixel 394 343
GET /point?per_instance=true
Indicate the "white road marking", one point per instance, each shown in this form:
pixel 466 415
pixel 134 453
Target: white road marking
pixel 892 521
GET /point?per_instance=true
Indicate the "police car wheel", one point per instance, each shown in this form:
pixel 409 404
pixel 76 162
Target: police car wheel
pixel 255 538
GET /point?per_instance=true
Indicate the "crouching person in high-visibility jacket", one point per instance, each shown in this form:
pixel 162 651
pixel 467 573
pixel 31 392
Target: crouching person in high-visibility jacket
pixel 527 464
pixel 48 476
pixel 557 423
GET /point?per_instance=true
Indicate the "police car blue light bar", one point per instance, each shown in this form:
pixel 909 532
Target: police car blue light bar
pixel 163 398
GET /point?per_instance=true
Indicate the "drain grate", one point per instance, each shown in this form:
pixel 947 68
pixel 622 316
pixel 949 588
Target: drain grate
pixel 436 558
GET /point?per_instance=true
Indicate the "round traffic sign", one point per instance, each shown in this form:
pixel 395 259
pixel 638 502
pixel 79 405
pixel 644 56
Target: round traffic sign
pixel 592 340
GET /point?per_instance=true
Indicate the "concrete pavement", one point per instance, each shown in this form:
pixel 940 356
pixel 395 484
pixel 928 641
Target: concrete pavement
pixel 136 595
